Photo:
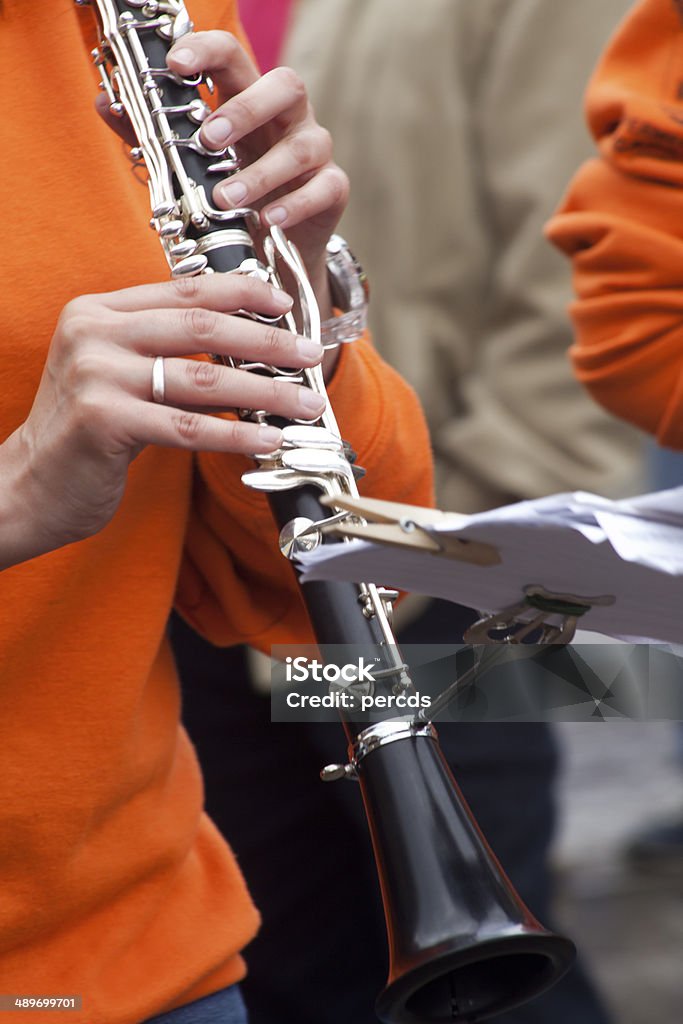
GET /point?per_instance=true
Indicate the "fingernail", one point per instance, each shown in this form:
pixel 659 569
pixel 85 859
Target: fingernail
pixel 278 215
pixel 234 192
pixel 311 402
pixel 270 436
pixel 217 131
pixel 184 57
pixel 308 349
pixel 282 299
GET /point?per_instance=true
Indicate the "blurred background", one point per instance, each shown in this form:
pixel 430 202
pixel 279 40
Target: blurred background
pixel 623 905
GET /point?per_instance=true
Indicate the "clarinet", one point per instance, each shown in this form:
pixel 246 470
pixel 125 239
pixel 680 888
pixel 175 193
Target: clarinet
pixel 463 947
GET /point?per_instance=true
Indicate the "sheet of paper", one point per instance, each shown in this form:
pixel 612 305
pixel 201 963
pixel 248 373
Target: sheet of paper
pixel 578 544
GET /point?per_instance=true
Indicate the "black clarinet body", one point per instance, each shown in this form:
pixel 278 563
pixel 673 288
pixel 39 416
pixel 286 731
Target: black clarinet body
pixel 462 945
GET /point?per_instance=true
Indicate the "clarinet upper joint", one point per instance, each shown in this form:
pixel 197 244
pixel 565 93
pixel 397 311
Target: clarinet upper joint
pixel 166 111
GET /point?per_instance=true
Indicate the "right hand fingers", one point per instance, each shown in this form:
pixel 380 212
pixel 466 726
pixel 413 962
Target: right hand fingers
pixel 179 332
pixel 189 316
pixel 208 387
pixel 224 293
pixel 177 428
pixel 101 361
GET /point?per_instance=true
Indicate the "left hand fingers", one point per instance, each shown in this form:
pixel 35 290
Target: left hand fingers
pixel 320 202
pixel 298 156
pixel 219 54
pixel 278 99
pixel 248 101
pixel 256 114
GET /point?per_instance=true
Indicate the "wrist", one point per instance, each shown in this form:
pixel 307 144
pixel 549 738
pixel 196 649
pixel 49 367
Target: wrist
pixel 21 537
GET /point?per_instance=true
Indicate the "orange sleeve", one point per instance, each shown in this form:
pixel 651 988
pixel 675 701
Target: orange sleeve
pixel 235 586
pixel 621 223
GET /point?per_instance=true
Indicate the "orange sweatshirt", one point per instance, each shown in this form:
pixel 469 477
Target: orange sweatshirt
pixel 622 224
pixel 113 885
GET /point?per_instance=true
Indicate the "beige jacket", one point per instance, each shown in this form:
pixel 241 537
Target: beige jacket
pixel 459 122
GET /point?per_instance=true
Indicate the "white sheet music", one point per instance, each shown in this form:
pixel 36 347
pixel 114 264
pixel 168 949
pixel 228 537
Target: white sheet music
pixel 578 543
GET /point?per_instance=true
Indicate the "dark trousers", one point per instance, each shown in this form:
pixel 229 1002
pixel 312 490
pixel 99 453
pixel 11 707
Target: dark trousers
pixel 320 957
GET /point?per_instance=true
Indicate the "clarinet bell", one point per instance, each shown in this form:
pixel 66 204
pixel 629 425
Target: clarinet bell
pixel 463 947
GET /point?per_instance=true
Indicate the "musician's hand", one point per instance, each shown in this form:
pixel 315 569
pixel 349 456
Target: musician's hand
pixel 65 467
pixel 288 171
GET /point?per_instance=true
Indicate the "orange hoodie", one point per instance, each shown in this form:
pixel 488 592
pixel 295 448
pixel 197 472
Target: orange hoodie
pixel 113 885
pixel 622 224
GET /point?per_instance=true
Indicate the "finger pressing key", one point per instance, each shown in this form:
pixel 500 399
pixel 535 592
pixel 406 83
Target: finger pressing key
pixel 194 330
pixel 210 387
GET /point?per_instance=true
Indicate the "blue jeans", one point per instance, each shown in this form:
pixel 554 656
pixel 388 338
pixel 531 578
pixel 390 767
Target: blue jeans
pixel 224 1007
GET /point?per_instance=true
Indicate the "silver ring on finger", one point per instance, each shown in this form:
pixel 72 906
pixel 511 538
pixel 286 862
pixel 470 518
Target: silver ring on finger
pixel 158 380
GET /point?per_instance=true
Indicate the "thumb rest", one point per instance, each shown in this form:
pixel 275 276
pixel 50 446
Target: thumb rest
pixel 463 946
